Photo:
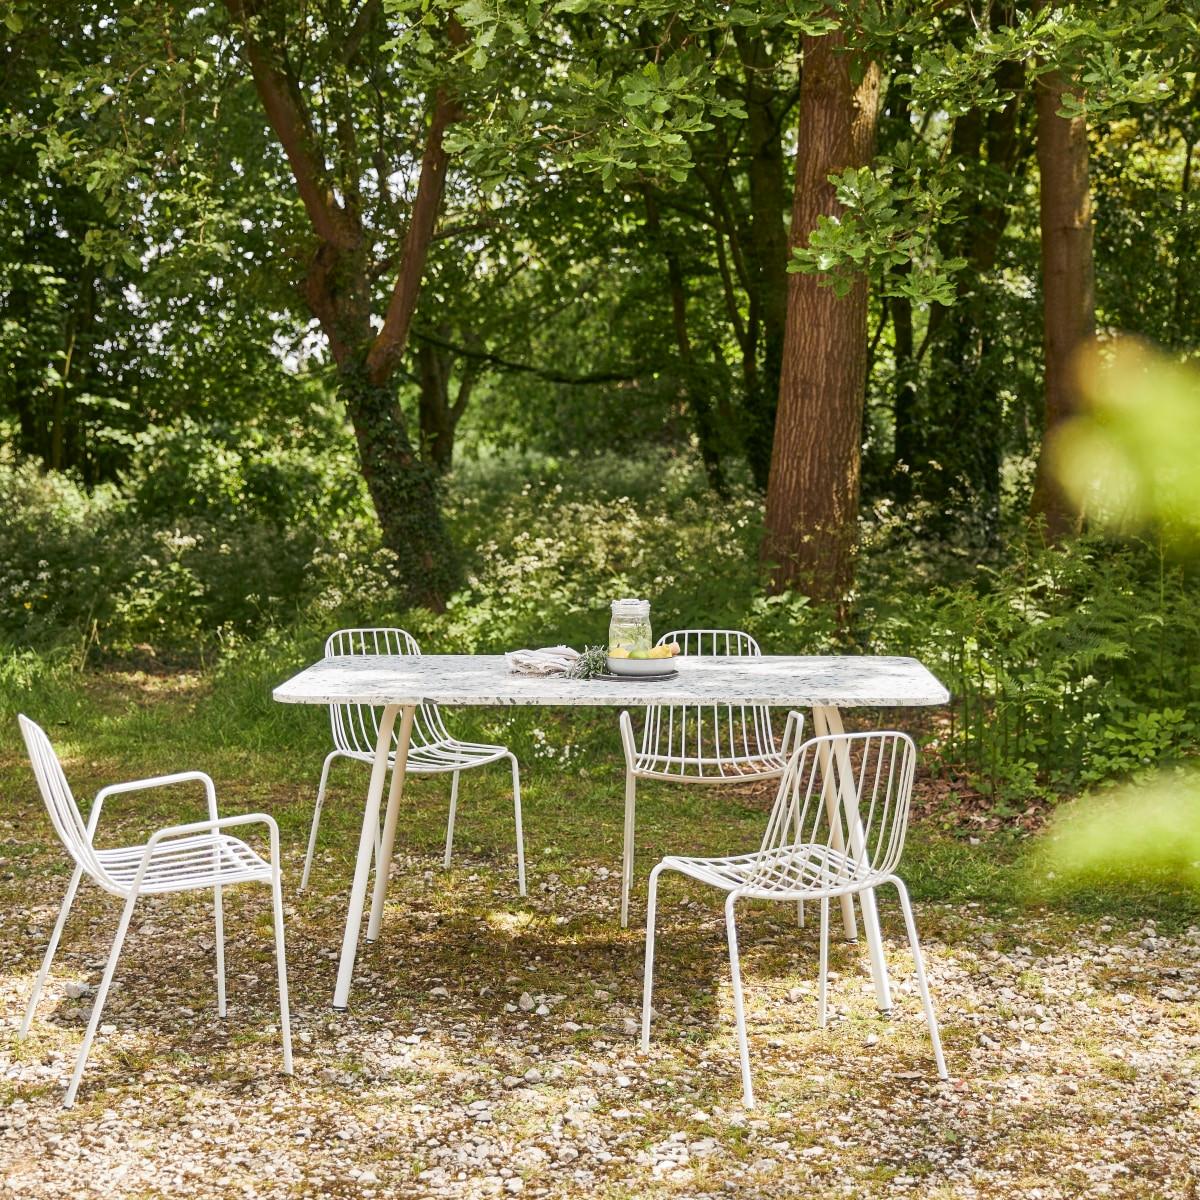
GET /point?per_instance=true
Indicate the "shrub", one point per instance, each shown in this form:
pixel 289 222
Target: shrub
pixel 1066 667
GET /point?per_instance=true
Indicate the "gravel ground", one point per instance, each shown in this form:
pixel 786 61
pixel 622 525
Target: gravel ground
pixel 491 1050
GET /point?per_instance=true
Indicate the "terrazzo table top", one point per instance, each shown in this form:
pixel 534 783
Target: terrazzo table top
pixel 843 681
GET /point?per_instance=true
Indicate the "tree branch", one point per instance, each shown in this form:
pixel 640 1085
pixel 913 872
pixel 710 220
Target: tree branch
pixel 625 375
pixel 389 344
pixel 284 106
pixel 367 16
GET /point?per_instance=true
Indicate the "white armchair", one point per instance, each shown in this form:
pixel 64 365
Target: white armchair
pixel 199 855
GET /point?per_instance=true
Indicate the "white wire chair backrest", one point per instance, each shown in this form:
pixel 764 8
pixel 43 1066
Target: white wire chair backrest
pixel 704 739
pixel 356 726
pixel 60 803
pixel 847 795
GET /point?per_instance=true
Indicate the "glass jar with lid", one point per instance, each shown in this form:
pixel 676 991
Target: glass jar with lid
pixel 629 628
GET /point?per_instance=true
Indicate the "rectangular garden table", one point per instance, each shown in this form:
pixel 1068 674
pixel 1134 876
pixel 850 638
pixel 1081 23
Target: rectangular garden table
pixel 398 685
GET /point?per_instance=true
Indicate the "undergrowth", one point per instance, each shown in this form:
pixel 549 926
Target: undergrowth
pixel 1067 668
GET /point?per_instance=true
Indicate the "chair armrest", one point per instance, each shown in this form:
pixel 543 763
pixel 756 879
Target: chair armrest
pixel 792 732
pixel 627 741
pixel 155 781
pixel 212 825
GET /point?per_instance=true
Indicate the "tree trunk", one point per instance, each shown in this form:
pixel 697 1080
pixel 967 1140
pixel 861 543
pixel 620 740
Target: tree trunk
pixel 403 489
pixel 904 401
pixel 766 247
pixel 812 497
pixel 438 415
pixel 692 387
pixel 963 439
pixel 433 406
pixel 337 287
pixel 1183 246
pixel 1068 289
pixel 904 387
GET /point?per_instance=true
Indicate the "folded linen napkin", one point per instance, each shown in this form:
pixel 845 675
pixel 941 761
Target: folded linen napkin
pixel 550 660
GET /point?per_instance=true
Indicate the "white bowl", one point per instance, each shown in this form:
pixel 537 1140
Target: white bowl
pixel 641 667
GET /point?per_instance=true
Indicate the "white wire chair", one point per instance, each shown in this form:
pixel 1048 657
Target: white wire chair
pixel 180 858
pixel 432 751
pixel 706 744
pixel 837 828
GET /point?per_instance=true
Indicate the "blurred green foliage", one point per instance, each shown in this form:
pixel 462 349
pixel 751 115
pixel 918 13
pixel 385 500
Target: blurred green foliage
pixel 1151 828
pixel 1132 459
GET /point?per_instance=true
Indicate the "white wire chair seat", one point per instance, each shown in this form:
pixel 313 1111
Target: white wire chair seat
pixel 837 828
pixel 181 864
pixel 741 769
pixel 801 872
pixel 709 743
pixel 198 855
pixel 434 757
pixel 701 744
pixel 432 748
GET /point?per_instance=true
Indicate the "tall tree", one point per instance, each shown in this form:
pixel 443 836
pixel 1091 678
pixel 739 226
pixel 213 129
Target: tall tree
pixel 340 268
pixel 812 495
pixel 765 236
pixel 1068 281
pixel 438 413
pixel 965 442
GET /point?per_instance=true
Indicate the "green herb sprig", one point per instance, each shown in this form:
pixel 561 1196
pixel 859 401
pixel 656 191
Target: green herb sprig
pixel 592 661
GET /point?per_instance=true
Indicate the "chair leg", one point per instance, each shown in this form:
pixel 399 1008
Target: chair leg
pixel 51 949
pixel 799 831
pixel 219 916
pixel 285 1020
pixel 648 976
pixel 316 821
pixel 922 982
pixel 450 822
pixel 101 996
pixel 823 968
pixel 516 774
pixel 739 1010
pixel 627 846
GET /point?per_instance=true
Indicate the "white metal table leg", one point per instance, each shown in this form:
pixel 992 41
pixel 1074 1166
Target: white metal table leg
pixel 828 720
pixel 627 845
pixel 828 785
pixel 383 865
pixel 362 866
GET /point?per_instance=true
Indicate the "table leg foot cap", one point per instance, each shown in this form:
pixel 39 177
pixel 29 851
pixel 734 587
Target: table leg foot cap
pixel 341 1008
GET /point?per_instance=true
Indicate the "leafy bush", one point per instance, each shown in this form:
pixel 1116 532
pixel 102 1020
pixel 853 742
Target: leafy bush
pixel 1066 667
pixel 206 540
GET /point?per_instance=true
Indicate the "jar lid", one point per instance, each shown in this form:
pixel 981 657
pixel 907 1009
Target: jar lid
pixel 631 608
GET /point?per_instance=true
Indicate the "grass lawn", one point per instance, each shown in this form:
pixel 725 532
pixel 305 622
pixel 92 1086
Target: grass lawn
pixel 490 1046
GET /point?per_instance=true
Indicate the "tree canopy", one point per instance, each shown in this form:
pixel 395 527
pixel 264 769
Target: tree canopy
pixel 843 250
